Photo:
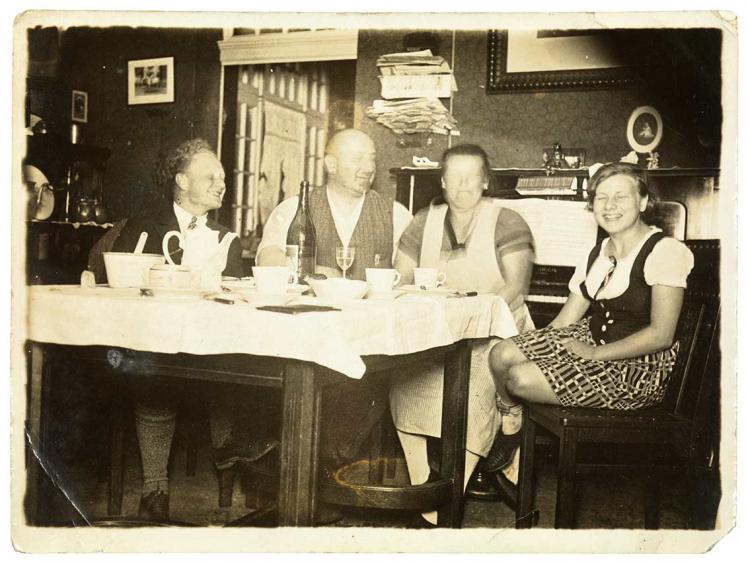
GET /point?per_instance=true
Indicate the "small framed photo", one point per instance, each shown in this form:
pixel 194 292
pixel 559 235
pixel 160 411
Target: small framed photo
pixel 644 129
pixel 150 81
pixel 79 108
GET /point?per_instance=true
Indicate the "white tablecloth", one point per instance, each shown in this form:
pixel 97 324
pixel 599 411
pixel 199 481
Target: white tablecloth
pixel 70 315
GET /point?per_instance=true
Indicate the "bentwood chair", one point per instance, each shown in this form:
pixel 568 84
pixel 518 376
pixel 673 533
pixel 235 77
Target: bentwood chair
pixel 679 436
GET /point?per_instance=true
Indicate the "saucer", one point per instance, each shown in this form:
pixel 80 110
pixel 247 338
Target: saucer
pixel 391 295
pixel 439 291
pixel 180 293
pixel 247 285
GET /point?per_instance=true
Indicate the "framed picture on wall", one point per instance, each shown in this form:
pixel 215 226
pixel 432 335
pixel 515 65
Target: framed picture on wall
pixel 534 60
pixel 644 129
pixel 150 81
pixel 79 107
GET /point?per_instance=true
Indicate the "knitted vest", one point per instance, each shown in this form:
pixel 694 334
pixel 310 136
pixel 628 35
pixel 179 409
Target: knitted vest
pixel 371 236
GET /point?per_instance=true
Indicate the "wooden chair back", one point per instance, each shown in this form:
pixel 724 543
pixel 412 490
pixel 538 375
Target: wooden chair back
pixel 697 332
pixel 103 245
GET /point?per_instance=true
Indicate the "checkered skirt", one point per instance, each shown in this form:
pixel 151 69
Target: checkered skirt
pixel 630 383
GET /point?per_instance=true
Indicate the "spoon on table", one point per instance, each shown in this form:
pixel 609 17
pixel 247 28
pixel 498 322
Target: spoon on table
pixel 141 243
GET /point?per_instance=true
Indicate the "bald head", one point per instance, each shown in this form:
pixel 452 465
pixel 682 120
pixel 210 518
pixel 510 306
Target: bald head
pixel 347 140
pixel 350 161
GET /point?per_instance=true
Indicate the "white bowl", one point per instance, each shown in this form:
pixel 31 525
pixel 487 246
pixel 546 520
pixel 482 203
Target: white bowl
pixel 339 288
pixel 128 270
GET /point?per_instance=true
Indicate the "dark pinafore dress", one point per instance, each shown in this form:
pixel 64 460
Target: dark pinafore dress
pixel 616 384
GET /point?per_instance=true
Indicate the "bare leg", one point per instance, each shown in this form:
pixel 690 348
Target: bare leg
pixel 526 381
pixel 502 357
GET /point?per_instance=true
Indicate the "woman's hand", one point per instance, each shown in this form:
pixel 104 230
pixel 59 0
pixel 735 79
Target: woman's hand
pixel 579 348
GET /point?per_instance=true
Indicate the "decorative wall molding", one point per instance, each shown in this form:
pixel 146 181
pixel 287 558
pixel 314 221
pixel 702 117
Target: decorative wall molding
pixel 290 47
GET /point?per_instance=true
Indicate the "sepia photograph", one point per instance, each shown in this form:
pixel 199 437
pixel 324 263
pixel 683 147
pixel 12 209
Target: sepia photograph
pixel 374 283
pixel 150 81
pixel 79 110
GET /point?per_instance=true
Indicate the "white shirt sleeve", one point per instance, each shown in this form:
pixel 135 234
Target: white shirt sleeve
pixel 401 218
pixel 276 228
pixel 668 264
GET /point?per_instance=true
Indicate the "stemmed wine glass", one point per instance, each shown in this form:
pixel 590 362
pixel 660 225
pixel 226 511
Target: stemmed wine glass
pixel 344 257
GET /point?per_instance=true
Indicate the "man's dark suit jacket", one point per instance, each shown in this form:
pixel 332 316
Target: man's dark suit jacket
pixel 160 224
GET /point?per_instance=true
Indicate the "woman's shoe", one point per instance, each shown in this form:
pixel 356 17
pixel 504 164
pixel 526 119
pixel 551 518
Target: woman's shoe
pixel 502 451
pixel 482 486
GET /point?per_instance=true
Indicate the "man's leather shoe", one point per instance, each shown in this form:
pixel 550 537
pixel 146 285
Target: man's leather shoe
pixel 154 506
pixel 482 486
pixel 502 451
pixel 226 457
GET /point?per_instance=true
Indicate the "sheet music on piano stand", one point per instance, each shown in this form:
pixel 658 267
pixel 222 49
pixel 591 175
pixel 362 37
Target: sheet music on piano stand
pixel 564 231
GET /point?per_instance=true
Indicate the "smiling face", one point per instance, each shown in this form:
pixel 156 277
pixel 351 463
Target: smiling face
pixel 463 181
pixel 200 188
pixel 617 204
pixel 351 162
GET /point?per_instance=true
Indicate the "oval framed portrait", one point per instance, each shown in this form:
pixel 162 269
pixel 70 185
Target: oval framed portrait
pixel 644 129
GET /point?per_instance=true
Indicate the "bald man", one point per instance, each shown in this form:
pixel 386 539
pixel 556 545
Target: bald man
pixel 345 212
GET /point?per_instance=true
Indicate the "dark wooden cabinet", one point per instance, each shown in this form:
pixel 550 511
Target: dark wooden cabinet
pixel 76 171
pixel 57 252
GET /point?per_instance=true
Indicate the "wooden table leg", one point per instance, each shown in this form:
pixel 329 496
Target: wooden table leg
pixel 454 427
pixel 299 446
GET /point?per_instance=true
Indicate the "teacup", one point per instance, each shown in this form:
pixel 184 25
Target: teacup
pixel 382 280
pixel 429 278
pixel 273 279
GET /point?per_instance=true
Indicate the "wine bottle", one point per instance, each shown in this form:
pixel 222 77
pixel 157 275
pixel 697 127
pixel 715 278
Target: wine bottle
pixel 301 241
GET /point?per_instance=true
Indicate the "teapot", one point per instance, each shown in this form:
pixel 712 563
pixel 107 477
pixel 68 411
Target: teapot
pixel 202 253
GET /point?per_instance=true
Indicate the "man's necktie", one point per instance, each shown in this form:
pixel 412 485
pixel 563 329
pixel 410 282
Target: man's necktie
pixel 193 223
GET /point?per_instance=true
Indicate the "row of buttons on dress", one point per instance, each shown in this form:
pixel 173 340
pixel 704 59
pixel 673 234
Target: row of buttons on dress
pixel 607 322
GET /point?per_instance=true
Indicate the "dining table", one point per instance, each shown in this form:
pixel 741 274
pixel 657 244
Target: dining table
pixel 298 344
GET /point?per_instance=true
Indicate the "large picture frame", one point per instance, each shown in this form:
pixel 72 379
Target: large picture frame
pixel 570 67
pixel 150 81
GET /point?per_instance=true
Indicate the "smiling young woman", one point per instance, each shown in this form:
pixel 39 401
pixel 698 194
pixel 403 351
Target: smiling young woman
pixel 621 353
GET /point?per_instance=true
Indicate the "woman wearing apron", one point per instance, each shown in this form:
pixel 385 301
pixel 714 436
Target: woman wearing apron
pixel 481 247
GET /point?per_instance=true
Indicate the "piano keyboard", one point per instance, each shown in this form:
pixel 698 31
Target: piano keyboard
pixel 545 299
pixel 546 185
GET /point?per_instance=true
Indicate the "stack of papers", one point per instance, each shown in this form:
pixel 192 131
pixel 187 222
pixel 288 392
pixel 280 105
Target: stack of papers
pixel 415 75
pixel 417 62
pixel 419 115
